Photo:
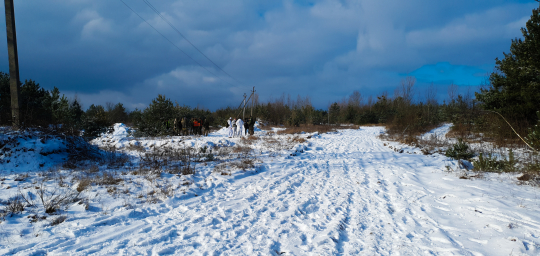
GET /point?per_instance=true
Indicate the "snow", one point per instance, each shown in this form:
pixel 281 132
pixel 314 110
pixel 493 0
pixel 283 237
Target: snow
pixel 439 132
pixel 344 193
pixel 31 150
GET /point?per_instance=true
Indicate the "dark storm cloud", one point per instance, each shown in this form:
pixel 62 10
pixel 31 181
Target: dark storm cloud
pixel 100 51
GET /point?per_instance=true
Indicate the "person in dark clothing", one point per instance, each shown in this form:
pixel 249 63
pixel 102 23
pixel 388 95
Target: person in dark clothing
pixel 184 126
pixel 206 124
pixel 178 126
pixel 197 126
pixel 246 126
pixel 252 125
pixel 192 126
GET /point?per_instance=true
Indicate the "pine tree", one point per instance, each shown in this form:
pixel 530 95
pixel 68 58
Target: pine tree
pixel 95 122
pixel 334 113
pixel 32 99
pixel 118 114
pixel 515 86
pixel 153 120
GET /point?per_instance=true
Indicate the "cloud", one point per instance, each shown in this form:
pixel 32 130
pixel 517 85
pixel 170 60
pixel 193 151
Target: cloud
pixel 491 24
pixel 323 48
pixel 185 85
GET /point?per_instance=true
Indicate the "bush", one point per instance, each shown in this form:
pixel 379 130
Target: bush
pixel 95 122
pixel 58 220
pixel 53 200
pixel 513 89
pixel 15 205
pixel 460 150
pixel 490 163
pixel 156 119
pixel 533 138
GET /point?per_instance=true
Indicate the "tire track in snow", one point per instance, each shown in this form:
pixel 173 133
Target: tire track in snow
pixel 348 195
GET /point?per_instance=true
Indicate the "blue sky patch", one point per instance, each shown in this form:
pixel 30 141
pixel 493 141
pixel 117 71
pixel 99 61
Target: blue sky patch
pixel 446 73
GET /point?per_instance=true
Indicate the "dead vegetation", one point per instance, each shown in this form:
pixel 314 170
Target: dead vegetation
pixel 314 129
pixel 58 220
pixel 136 179
pixel 478 156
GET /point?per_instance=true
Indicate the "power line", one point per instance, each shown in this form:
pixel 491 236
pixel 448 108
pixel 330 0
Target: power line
pixel 172 42
pixel 185 38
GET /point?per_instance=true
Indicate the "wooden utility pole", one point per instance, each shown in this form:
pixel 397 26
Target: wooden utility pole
pixel 13 62
pixel 328 116
pixel 244 107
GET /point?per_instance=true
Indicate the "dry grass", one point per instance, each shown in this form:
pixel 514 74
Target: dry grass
pixel 108 178
pixel 135 147
pixel 249 140
pixel 267 127
pixel 58 220
pixel 93 169
pixel 15 204
pixel 310 129
pixel 222 169
pixel 297 139
pixel 370 125
pixel 316 128
pixel 273 144
pixel 238 149
pixel 84 184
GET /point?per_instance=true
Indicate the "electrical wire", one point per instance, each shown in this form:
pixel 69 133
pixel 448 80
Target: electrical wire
pixel 182 35
pixel 172 42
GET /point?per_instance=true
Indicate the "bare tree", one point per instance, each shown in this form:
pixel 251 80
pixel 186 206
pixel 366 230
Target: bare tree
pixel 431 95
pixel 452 92
pixel 109 106
pixel 355 99
pixel 406 89
pixel 431 99
pixel 370 101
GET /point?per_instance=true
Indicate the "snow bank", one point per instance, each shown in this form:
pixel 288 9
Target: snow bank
pixel 31 150
pixel 343 193
pixel 439 132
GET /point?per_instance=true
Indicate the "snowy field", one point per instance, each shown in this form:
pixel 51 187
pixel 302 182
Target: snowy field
pixel 344 193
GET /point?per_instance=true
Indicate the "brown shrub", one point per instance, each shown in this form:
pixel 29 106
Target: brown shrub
pixel 84 183
pixel 108 178
pixel 241 149
pixel 21 177
pixel 313 128
pixel 15 205
pixel 525 177
pixel 222 169
pixel 409 140
pixel 244 164
pixel 249 140
pixel 58 220
pixel 93 169
pixel 266 127
pixel 135 147
pixel 111 190
pixel 297 139
pixel 188 170
pixel 70 164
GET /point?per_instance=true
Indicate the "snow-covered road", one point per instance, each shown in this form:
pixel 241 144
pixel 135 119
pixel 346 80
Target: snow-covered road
pixel 348 194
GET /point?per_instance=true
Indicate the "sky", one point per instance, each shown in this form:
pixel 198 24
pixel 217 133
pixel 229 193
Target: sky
pixel 101 51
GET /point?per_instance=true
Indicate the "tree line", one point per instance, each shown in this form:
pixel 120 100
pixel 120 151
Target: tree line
pixel 513 91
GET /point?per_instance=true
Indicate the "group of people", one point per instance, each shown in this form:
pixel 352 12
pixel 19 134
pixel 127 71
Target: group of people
pixel 237 127
pixel 193 126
